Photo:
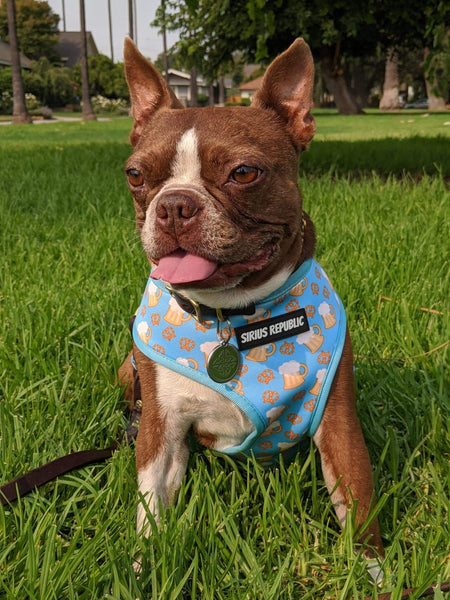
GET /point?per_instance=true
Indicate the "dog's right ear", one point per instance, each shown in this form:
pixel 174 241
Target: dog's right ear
pixel 148 89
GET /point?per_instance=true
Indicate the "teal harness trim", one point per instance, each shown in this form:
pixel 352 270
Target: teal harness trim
pixel 281 386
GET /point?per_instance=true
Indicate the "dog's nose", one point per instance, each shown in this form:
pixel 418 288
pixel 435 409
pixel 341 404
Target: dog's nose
pixel 176 209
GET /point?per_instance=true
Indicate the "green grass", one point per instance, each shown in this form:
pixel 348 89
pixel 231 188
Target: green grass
pixel 72 274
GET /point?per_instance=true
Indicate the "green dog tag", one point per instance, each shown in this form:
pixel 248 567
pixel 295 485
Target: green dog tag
pixel 223 363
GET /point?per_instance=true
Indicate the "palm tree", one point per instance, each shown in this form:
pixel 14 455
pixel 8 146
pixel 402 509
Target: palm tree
pixel 110 30
pixel 20 112
pixel 87 113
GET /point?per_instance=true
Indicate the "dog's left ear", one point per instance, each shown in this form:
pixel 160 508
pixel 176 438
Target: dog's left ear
pixel 287 88
pixel 148 89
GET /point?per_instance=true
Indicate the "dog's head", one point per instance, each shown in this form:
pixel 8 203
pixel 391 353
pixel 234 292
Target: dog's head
pixel 215 189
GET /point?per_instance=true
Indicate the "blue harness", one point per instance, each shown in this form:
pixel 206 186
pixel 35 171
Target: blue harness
pixel 282 386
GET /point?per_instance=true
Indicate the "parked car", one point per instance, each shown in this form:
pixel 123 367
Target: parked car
pixel 422 103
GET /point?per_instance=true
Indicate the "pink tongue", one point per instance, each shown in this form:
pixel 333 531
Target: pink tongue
pixel 182 267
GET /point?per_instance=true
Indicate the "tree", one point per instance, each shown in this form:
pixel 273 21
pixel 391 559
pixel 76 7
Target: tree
pixel 36 26
pixel 87 113
pixel 105 77
pixel 20 113
pixel 389 100
pixel 208 33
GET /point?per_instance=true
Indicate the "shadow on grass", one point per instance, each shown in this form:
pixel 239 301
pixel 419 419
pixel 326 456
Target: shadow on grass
pixel 416 156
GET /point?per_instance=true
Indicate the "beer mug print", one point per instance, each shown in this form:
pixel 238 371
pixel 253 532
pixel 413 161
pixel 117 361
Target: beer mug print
pixel 312 339
pixel 326 311
pixel 293 373
pixel 188 362
pixel 175 315
pixel 318 383
pixel 144 332
pixel 298 289
pixel 154 294
pixel 261 353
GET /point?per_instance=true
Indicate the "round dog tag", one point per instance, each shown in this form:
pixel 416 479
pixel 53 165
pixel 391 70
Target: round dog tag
pixel 223 362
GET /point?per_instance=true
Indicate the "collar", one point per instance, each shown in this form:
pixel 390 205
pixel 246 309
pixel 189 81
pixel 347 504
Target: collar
pixel 201 312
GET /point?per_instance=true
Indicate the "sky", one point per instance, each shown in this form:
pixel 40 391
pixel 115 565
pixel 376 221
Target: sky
pixel 148 40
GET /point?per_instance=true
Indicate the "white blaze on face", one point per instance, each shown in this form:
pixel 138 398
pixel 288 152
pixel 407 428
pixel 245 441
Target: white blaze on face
pixel 186 167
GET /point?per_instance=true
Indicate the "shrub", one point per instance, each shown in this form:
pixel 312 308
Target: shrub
pixel 43 111
pixel 31 101
pixel 6 103
pixel 109 105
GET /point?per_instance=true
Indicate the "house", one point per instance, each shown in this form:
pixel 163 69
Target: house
pixel 249 89
pixel 68 47
pixel 180 82
pixel 5 57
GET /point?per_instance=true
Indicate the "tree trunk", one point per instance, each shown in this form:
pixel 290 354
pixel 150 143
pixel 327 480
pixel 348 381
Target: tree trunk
pixel 87 113
pixel 389 100
pixel 358 84
pixel 194 88
pixel 110 31
pixel 20 112
pixel 221 91
pixel 335 82
pixel 436 102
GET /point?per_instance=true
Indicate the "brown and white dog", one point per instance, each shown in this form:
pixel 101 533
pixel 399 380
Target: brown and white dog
pixel 221 222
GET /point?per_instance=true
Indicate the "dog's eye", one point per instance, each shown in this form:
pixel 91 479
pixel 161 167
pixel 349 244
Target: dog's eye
pixel 135 177
pixel 245 174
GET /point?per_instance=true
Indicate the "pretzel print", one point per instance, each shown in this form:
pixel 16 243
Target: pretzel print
pixel 287 348
pixel 315 289
pixel 310 311
pixel 280 299
pixel 266 376
pixel 158 348
pixel 155 319
pixel 292 305
pixel 294 418
pixel 243 369
pixel 324 358
pixel 203 326
pixel 310 405
pixel 169 333
pixel 187 344
pixel 270 397
pixel 299 395
pixel 265 445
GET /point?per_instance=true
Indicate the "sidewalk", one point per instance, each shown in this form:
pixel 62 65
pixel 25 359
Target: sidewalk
pixel 56 119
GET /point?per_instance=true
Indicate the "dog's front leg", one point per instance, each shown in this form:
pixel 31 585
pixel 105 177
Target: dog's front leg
pixel 345 460
pixel 162 451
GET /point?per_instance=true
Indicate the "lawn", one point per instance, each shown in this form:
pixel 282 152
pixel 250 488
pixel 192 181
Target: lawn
pixel 73 272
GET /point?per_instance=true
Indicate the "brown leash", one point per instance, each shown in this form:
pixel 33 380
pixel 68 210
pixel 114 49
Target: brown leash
pixel 23 485
pixel 443 587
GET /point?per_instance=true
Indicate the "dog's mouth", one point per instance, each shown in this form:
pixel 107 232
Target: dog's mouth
pixel 184 268
pixel 181 267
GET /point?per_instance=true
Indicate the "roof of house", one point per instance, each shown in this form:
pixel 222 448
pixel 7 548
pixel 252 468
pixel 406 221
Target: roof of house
pixel 5 56
pixel 69 47
pixel 253 85
pixel 180 77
